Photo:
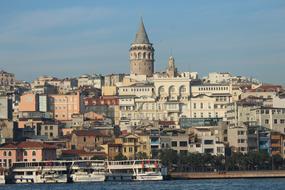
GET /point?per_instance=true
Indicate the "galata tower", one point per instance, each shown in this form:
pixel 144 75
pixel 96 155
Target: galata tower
pixel 141 54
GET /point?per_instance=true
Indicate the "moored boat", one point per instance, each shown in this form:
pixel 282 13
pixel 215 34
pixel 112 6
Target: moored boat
pixel 88 171
pixel 141 170
pixel 39 172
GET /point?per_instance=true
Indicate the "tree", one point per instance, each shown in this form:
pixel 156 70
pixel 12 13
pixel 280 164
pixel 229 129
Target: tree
pixel 120 156
pixel 168 158
pixel 98 157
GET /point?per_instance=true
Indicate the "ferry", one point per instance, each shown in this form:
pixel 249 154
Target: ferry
pixel 40 172
pixel 134 170
pixel 2 176
pixel 88 171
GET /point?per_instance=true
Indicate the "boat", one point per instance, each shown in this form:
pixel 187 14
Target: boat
pixel 39 172
pixel 88 171
pixel 2 176
pixel 134 170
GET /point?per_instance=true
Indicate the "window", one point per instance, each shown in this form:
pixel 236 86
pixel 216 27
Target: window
pixel 9 153
pixel 201 105
pixel 266 121
pixel 208 142
pixel 25 153
pixel 275 121
pixel 240 132
pixel 194 105
pixel 183 143
pixel 51 127
pixel 241 140
pixel 130 149
pixel 282 121
pixel 174 143
pixel 5 153
pixel 34 153
pixel 84 139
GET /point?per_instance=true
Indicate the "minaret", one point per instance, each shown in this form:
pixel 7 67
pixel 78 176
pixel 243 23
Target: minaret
pixel 141 54
pixel 171 69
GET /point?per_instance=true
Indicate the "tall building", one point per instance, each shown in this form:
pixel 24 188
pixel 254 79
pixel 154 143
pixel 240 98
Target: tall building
pixel 171 69
pixel 6 110
pixel 141 54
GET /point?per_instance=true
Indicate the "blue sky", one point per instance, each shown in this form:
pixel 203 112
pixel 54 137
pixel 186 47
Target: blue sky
pixel 69 38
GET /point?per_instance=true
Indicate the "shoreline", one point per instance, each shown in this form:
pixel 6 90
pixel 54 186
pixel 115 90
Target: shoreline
pixel 227 175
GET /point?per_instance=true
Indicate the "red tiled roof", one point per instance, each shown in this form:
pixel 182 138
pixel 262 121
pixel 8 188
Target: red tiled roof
pixel 27 144
pixel 31 144
pixel 267 88
pixel 166 123
pixel 8 146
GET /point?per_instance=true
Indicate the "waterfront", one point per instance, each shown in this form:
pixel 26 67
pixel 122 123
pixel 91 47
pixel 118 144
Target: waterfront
pixel 236 184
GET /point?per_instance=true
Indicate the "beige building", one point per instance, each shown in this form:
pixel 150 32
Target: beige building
pixel 64 106
pixel 238 139
pixel 6 79
pixel 134 144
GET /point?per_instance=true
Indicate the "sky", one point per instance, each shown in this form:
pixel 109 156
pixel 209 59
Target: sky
pixel 68 38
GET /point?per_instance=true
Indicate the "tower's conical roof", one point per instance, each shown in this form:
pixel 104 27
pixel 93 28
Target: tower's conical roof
pixel 141 36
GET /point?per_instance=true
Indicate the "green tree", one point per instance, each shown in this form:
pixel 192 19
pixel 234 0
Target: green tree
pixel 168 158
pixel 120 156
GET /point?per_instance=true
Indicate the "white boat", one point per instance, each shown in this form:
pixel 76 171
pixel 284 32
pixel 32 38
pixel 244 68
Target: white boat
pixel 141 170
pixel 39 172
pixel 2 176
pixel 88 171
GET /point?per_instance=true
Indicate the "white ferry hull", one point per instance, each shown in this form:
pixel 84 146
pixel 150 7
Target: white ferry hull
pixel 55 179
pixel 39 179
pixel 149 177
pixel 88 178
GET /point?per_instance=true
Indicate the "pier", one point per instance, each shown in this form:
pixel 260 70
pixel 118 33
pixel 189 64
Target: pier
pixel 228 174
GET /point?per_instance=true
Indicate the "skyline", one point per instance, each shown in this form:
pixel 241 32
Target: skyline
pixel 72 38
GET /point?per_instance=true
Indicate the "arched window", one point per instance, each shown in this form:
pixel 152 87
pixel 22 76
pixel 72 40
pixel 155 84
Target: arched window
pixel 9 153
pixel 161 90
pixel 148 56
pixel 34 153
pixel 5 153
pixel 171 90
pixel 25 153
pixel 144 55
pixel 182 89
pixel 139 55
pixel 135 54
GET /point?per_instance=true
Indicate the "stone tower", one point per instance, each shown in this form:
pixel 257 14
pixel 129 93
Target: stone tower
pixel 141 54
pixel 171 69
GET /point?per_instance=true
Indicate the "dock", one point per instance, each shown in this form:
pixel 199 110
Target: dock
pixel 228 174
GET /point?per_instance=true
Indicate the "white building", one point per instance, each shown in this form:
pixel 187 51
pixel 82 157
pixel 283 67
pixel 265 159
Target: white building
pixel 218 77
pixel 95 81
